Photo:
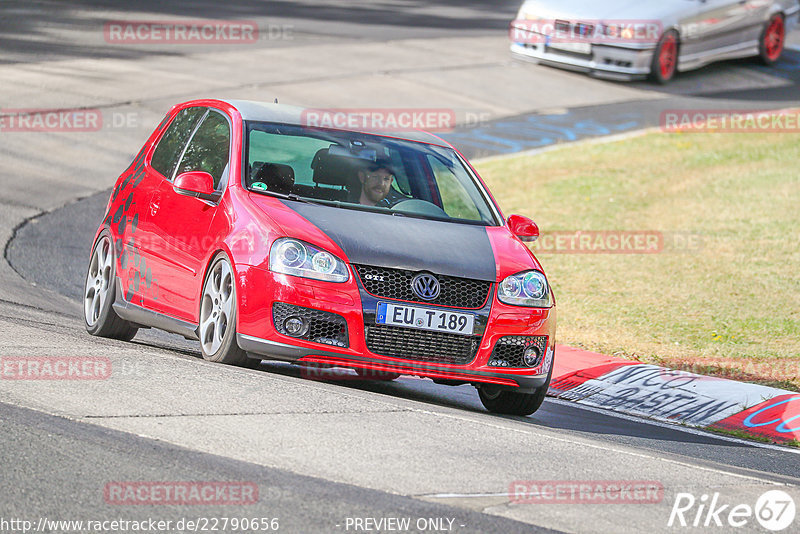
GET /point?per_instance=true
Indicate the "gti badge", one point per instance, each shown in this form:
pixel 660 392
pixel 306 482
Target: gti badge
pixel 425 286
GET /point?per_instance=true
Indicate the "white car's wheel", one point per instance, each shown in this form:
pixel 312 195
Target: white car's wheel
pixel 773 39
pixel 665 58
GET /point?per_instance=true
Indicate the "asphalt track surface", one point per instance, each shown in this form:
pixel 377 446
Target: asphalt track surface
pixel 93 452
pixel 51 252
pixel 319 451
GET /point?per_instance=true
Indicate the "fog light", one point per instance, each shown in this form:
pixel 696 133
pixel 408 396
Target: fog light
pixel 295 326
pixel 531 356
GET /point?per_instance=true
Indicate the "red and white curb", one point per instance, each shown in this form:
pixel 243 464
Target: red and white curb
pixel 664 394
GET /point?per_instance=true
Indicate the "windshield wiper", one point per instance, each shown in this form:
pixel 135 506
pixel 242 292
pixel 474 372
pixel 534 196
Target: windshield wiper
pixel 287 196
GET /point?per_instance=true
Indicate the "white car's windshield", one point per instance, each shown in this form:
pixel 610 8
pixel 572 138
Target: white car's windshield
pixel 361 171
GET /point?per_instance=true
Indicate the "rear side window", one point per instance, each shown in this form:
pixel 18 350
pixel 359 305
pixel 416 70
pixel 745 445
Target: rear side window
pixel 170 147
pixel 209 149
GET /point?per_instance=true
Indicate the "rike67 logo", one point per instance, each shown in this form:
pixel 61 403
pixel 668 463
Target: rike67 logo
pixel 775 511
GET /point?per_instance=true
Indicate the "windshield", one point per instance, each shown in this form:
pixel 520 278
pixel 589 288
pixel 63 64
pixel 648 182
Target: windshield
pixel 361 171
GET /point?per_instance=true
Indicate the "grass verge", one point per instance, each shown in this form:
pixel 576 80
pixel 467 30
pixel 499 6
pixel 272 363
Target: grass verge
pixel 723 296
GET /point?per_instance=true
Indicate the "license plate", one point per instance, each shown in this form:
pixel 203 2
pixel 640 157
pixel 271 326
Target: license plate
pixel 576 48
pixel 425 319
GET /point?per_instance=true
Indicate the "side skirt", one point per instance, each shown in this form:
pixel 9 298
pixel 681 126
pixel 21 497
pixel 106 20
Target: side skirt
pixel 141 316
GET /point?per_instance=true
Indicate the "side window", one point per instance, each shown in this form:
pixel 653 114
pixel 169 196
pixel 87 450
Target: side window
pixel 170 147
pixel 455 199
pixel 296 152
pixel 209 149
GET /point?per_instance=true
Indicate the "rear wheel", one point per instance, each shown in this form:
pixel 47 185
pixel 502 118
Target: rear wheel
pixel 99 293
pixel 218 316
pixel 665 58
pixel 772 40
pixel 508 402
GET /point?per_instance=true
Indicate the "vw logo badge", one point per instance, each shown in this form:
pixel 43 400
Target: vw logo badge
pixel 425 286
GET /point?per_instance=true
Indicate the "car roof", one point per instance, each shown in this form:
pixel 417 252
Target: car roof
pixel 283 114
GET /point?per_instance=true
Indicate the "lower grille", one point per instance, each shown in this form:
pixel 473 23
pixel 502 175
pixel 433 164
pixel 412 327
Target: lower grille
pixel 509 351
pixel 421 345
pixel 321 326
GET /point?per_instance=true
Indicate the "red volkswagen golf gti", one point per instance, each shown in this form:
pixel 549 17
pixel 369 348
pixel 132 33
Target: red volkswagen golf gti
pixel 240 226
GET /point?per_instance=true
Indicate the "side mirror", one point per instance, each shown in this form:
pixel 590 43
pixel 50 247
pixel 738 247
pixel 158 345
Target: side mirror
pixel 196 184
pixel 523 228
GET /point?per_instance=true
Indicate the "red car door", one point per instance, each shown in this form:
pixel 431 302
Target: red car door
pixel 140 282
pixel 178 224
pixel 130 204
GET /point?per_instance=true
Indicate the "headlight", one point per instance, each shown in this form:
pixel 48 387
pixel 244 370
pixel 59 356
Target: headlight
pixel 527 288
pixel 290 256
pixel 610 30
pixel 526 13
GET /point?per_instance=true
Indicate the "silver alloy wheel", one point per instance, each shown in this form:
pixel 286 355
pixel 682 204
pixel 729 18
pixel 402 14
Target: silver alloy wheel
pixel 217 306
pixel 98 281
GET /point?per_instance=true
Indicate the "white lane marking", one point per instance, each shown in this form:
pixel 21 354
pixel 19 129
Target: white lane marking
pixel 463 495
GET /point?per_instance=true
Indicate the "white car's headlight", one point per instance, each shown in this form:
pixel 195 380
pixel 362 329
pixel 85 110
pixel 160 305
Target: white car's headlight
pixel 528 288
pixel 527 12
pixel 290 256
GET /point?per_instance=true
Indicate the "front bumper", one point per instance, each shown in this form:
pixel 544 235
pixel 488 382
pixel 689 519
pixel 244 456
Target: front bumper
pixel 294 353
pixel 605 61
pixel 258 336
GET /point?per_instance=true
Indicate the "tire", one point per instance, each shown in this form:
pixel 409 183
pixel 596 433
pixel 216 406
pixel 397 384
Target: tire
pixel 508 402
pixel 218 308
pixel 665 58
pixel 382 376
pixel 99 293
pixel 772 40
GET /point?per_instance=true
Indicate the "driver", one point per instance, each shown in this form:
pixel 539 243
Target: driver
pixel 376 183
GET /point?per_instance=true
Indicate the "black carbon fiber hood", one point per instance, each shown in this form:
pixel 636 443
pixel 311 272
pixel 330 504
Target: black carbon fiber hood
pixel 453 249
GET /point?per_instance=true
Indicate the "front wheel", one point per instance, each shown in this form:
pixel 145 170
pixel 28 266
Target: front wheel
pixel 99 293
pixel 508 402
pixel 773 38
pixel 665 58
pixel 218 316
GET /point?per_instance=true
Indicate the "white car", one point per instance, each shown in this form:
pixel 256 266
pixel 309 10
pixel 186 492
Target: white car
pixel 627 39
